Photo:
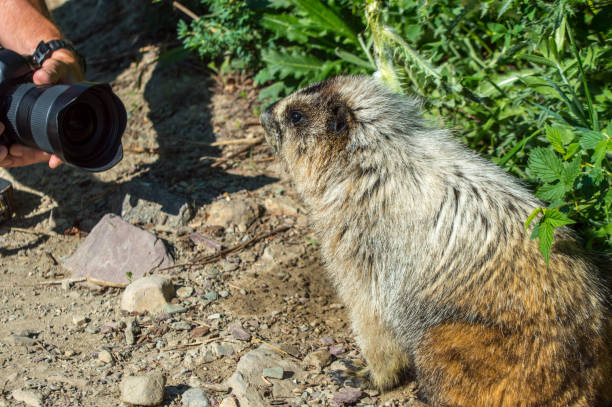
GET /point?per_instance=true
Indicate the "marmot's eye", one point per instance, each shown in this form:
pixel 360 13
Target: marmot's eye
pixel 295 116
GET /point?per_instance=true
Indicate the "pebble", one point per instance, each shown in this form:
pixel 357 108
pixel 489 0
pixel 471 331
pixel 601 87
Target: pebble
pixel 327 340
pixel 336 349
pixel 227 266
pixel 239 333
pixel 211 296
pixel 199 331
pixel 195 397
pixel 228 402
pixel 149 293
pixel 172 309
pixel 105 356
pixel 29 397
pixel 273 372
pixel 92 329
pixel 184 292
pixel 180 326
pixel 214 316
pixel 347 396
pixel 79 320
pixel 143 390
pixel 130 332
pixel 224 293
pixel 19 340
pixel 319 358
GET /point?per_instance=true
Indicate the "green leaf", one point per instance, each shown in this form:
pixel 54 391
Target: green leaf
pixel 546 237
pixel 551 192
pixel 354 59
pixel 545 164
pixel 285 25
pixel 537 59
pixel 533 214
pixel 590 139
pixel 571 149
pixel 555 218
pixel 326 18
pixel 570 172
pixel 600 151
pixel 553 135
pixel 293 64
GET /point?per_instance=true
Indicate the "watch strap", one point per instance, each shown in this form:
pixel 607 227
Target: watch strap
pixel 45 49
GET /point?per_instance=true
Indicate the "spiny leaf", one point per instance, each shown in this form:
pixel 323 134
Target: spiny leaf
pixel 545 237
pixel 551 192
pixel 545 164
pixel 553 135
pixel 326 18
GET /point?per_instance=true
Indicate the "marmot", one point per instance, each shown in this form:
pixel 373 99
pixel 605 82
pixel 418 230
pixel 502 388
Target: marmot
pixel 426 244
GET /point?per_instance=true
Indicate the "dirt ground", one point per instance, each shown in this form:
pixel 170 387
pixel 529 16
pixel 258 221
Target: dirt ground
pixel 176 110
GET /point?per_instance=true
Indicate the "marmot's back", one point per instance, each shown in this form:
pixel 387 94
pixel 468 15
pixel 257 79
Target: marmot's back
pixel 425 242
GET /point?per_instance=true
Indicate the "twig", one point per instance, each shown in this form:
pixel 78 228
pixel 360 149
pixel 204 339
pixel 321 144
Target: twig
pixel 275 347
pixel 238 141
pixel 217 256
pixel 37 233
pixel 198 323
pixel 188 345
pixel 53 259
pixel 185 10
pixel 215 387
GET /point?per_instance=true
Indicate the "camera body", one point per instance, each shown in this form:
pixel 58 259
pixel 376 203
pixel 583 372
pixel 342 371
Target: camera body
pixel 81 123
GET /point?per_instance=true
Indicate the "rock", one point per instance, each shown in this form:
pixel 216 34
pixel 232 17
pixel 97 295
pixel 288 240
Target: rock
pixel 227 266
pixel 149 293
pixel 211 296
pixel 273 372
pixel 347 396
pixel 131 330
pixel 224 293
pixel 105 356
pixel 19 340
pixel 247 378
pixel 282 205
pixel 79 320
pixel 172 309
pixel 144 203
pixel 277 253
pixel 184 292
pixel 319 358
pixel 199 332
pixel 114 250
pixel 336 349
pixel 180 326
pixel 228 402
pixel 143 390
pixel 195 397
pixel 239 333
pixel 29 397
pixel 235 212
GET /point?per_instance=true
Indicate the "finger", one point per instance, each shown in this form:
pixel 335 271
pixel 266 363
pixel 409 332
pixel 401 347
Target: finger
pixel 22 155
pixel 3 153
pixel 51 71
pixel 55 161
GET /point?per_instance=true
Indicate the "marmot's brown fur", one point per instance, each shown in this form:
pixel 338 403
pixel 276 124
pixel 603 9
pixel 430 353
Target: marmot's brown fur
pixel 427 247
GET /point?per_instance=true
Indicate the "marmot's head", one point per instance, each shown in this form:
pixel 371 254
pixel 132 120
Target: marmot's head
pixel 329 126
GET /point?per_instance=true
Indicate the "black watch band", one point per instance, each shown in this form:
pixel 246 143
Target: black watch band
pixel 45 49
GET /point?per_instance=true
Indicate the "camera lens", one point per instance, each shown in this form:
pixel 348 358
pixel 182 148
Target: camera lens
pixel 81 123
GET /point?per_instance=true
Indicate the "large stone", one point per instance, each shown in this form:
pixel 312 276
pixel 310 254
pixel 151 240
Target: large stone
pixel 148 203
pixel 150 293
pixel 234 212
pixel 143 390
pixel 29 397
pixel 195 397
pixel 116 250
pixel 247 378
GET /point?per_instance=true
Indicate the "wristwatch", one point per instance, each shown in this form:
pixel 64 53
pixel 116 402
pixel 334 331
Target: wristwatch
pixel 45 49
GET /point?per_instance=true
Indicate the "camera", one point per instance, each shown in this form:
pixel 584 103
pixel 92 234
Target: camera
pixel 81 123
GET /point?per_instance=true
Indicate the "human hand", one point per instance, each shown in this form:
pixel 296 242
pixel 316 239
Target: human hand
pixel 62 66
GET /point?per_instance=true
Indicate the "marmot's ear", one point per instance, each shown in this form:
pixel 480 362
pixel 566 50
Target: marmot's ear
pixel 339 118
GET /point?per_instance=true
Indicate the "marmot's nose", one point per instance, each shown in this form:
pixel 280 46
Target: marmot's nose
pixel 266 117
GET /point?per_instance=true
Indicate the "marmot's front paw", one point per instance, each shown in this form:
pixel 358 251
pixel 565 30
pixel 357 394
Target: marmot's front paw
pixel 356 374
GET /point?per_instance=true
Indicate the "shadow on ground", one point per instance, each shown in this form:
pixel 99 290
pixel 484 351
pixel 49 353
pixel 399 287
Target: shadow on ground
pixel 168 104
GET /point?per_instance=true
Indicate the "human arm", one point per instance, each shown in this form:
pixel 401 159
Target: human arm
pixel 23 24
